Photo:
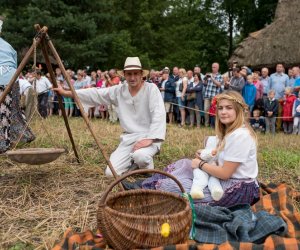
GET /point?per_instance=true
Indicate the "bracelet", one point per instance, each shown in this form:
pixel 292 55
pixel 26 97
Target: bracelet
pixel 201 164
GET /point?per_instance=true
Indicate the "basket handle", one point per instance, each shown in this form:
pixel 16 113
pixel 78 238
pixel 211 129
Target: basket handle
pixel 140 171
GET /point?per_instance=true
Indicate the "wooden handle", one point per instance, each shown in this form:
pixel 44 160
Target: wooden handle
pixel 140 171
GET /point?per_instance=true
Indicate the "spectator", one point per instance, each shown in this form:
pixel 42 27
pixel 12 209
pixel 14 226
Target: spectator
pixel 112 80
pixel 212 81
pixel 167 89
pixel 98 75
pixel 265 79
pixel 287 110
pixel 257 122
pixel 237 82
pixel 153 78
pixel 278 82
pixel 271 112
pixel 68 101
pixel 212 112
pixel 296 115
pixel 175 75
pixel 58 75
pixel 181 87
pixel 197 69
pixel 296 86
pixel 189 76
pixel 249 93
pixel 194 89
pixel 28 95
pixel 43 86
pixel 258 85
pixel 86 77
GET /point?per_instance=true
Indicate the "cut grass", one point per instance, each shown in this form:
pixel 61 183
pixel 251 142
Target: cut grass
pixel 38 203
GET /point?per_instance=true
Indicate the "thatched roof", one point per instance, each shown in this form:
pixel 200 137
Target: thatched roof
pixel 276 43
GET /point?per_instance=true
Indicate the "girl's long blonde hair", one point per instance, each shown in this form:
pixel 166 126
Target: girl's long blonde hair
pixel 241 109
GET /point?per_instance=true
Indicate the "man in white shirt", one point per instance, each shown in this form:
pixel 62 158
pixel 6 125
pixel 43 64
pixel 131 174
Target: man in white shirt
pixel 141 113
pixel 42 87
pixel 28 95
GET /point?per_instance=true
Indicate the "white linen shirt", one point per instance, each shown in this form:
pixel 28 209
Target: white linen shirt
pixel 141 116
pixel 240 147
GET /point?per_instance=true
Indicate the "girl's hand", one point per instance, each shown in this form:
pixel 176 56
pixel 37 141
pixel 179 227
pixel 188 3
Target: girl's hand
pixel 195 163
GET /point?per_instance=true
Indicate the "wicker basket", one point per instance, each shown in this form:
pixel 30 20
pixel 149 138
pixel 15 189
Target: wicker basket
pixel 133 219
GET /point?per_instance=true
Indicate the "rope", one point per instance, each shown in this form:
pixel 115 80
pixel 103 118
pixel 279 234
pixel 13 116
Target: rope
pixel 190 199
pixel 194 109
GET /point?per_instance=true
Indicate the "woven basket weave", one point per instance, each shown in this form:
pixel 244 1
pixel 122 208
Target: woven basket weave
pixel 133 219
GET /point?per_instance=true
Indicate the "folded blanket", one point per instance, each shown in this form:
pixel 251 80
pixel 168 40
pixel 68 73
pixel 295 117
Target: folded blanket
pixel 239 223
pixel 276 200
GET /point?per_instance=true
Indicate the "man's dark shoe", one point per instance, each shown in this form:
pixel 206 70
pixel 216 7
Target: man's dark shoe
pixel 133 167
pixel 132 185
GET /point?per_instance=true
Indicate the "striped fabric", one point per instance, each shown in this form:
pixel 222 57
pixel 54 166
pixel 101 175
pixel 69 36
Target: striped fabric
pixel 276 200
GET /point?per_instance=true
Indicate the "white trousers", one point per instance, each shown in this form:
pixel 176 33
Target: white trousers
pixel 122 157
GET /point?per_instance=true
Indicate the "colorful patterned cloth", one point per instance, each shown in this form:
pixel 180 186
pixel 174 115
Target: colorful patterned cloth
pixel 276 200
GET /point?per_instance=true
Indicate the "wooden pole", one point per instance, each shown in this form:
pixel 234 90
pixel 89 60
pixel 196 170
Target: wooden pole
pixel 60 102
pixel 22 65
pixel 77 100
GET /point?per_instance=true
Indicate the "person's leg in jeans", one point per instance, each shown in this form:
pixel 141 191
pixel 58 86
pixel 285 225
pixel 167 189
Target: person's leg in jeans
pixel 296 125
pixel 198 118
pixel 207 102
pixel 267 121
pixel 273 125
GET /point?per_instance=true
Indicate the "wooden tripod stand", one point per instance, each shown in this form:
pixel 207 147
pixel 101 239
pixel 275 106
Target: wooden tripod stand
pixel 42 38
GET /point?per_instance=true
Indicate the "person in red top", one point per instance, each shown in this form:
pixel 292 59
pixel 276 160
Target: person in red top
pixel 112 78
pixel 212 111
pixel 287 110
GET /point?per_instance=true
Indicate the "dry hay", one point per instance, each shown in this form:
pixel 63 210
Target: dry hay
pixel 38 203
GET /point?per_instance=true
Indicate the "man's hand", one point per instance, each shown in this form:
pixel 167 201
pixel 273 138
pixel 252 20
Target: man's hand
pixel 144 143
pixel 195 163
pixel 59 90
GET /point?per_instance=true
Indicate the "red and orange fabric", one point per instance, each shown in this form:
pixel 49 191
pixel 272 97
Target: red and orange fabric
pixel 275 199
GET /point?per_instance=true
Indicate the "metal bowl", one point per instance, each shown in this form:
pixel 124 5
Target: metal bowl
pixel 35 156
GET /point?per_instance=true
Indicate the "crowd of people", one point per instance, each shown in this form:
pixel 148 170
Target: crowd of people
pixel 189 96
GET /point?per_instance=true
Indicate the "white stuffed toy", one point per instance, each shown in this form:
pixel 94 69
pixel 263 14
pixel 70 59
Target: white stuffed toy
pixel 203 179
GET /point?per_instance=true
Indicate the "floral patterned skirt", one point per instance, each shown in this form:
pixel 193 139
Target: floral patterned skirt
pixel 12 120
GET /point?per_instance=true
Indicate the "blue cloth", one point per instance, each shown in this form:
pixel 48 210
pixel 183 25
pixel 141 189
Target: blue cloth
pixel 170 86
pixel 218 224
pixel 266 83
pixel 296 84
pixel 297 103
pixel 198 89
pixel 278 82
pixel 249 94
pixel 8 62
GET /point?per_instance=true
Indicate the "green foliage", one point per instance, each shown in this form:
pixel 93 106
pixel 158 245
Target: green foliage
pixel 99 33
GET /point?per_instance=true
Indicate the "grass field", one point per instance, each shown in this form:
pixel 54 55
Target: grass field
pixel 37 203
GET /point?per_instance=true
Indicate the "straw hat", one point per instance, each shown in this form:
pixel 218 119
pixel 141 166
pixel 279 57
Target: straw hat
pixel 132 63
